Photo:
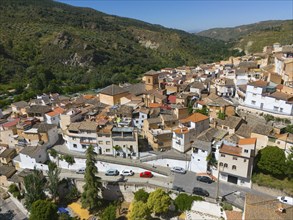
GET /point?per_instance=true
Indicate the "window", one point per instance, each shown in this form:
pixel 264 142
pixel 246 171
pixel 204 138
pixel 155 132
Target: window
pixel 222 155
pixel 149 80
pixel 276 108
pixel 281 109
pixel 253 102
pixel 253 94
pixel 107 142
pixel 245 151
pixel 83 146
pixel 226 165
pixel 244 160
pixel 278 142
pixel 233 167
pixel 107 150
pixel 221 164
pixel 100 142
pixel 74 145
pixel 195 150
pixel 234 158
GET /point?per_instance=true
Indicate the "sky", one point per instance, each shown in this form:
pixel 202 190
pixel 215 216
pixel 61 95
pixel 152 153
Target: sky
pixel 193 15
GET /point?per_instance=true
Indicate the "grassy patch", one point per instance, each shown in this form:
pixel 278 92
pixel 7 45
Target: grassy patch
pixel 268 181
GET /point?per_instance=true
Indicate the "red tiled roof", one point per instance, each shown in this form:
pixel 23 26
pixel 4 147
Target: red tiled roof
pixel 11 123
pixel 172 99
pixel 246 141
pixel 154 105
pixel 231 150
pixel 195 117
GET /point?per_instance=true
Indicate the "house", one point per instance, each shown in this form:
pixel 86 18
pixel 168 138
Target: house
pixel 159 139
pixel 6 172
pixel 80 135
pixel 127 139
pixel 235 163
pixel 216 104
pixel 198 87
pixel 225 87
pixel 262 97
pixel 53 117
pixel 38 111
pixel 111 95
pixel 230 123
pixel 284 141
pixel 154 97
pixel 104 140
pixel 19 107
pixel 7 155
pixel 31 157
pixel 151 79
pixel 265 207
pixel 41 132
pixel 189 129
pixel 263 133
pixel 139 116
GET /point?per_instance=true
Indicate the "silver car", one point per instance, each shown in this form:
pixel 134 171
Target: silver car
pixel 112 172
pixel 178 170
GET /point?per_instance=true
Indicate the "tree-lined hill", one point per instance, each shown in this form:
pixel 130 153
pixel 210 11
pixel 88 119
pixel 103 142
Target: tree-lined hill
pixel 253 37
pixel 54 46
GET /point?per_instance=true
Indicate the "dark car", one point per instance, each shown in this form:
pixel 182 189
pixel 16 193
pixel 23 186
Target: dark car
pixel 177 188
pixel 204 179
pixel 200 191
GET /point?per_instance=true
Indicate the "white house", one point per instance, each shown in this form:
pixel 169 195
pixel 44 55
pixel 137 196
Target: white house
pixel 260 96
pixel 53 117
pixel 139 117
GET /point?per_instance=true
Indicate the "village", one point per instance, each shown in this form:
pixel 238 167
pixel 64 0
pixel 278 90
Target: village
pixel 180 124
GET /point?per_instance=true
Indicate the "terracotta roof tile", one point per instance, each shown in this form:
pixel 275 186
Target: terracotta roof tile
pixel 259 83
pixel 195 117
pixel 233 215
pixel 246 141
pixel 231 150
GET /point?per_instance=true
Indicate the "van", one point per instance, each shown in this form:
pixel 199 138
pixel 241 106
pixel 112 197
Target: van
pixel 81 170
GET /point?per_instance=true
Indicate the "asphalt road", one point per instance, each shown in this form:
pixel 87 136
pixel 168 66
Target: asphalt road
pixel 9 211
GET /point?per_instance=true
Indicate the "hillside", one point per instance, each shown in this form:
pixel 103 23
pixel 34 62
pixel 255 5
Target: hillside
pixel 54 46
pixel 254 37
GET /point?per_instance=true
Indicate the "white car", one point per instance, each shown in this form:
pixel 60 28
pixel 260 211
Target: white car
pixel 178 170
pixel 80 170
pixel 127 173
pixel 286 200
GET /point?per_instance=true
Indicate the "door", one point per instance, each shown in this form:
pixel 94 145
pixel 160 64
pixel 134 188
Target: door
pixel 232 179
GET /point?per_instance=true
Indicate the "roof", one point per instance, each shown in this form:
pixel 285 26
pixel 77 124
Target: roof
pixel 233 215
pixel 56 111
pixel 282 96
pixel 43 127
pixel 20 104
pixel 226 149
pixel 39 109
pixel 135 89
pixel 122 129
pixel 113 90
pixel 198 85
pixel 172 99
pixel 214 100
pixel 259 83
pixel 154 105
pixel 195 117
pixel 262 129
pixel 183 130
pixel 166 117
pixel 7 171
pixel 33 151
pixel 265 207
pixel 11 123
pixel 231 122
pixel 208 135
pixel 244 130
pixel 84 125
pixel 154 120
pixel 203 145
pixel 246 141
pixel 7 152
pixel 151 73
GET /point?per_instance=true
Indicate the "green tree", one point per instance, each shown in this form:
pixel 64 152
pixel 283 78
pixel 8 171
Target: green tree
pixel 221 115
pixel 289 164
pixel 117 148
pixel 203 111
pixel 138 211
pixel 289 129
pixel 90 196
pixel 272 160
pixel 159 201
pixel 183 201
pixel 69 159
pixel 13 189
pixel 34 184
pixel 141 195
pixel 43 210
pixel 53 179
pixel 109 213
pixel 53 153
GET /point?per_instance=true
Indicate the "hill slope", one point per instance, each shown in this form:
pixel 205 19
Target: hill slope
pixel 47 43
pixel 254 37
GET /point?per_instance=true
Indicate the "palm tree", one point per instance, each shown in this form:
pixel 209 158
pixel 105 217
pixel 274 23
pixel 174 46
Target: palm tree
pixel 116 148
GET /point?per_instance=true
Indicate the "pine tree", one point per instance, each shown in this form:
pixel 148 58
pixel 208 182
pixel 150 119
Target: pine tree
pixel 90 197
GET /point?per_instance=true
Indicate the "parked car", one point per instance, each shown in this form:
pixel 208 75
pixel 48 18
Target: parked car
pixel 127 173
pixel 81 170
pixel 204 179
pixel 200 191
pixel 178 170
pixel 112 172
pixel 146 174
pixel 177 188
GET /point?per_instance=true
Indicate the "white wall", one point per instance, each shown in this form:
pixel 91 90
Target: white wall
pixel 170 163
pixel 198 162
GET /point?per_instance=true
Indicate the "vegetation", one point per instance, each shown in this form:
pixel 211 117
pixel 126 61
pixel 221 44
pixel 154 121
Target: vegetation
pixel 109 213
pixel 60 48
pixel 53 179
pixel 203 111
pixel 53 153
pixel 260 34
pixel 183 201
pixel 141 195
pixel 221 115
pixel 13 189
pixel 138 211
pixel 90 197
pixel 289 129
pixel 159 201
pixel 34 188
pixel 69 159
pixel 227 206
pixel 43 210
